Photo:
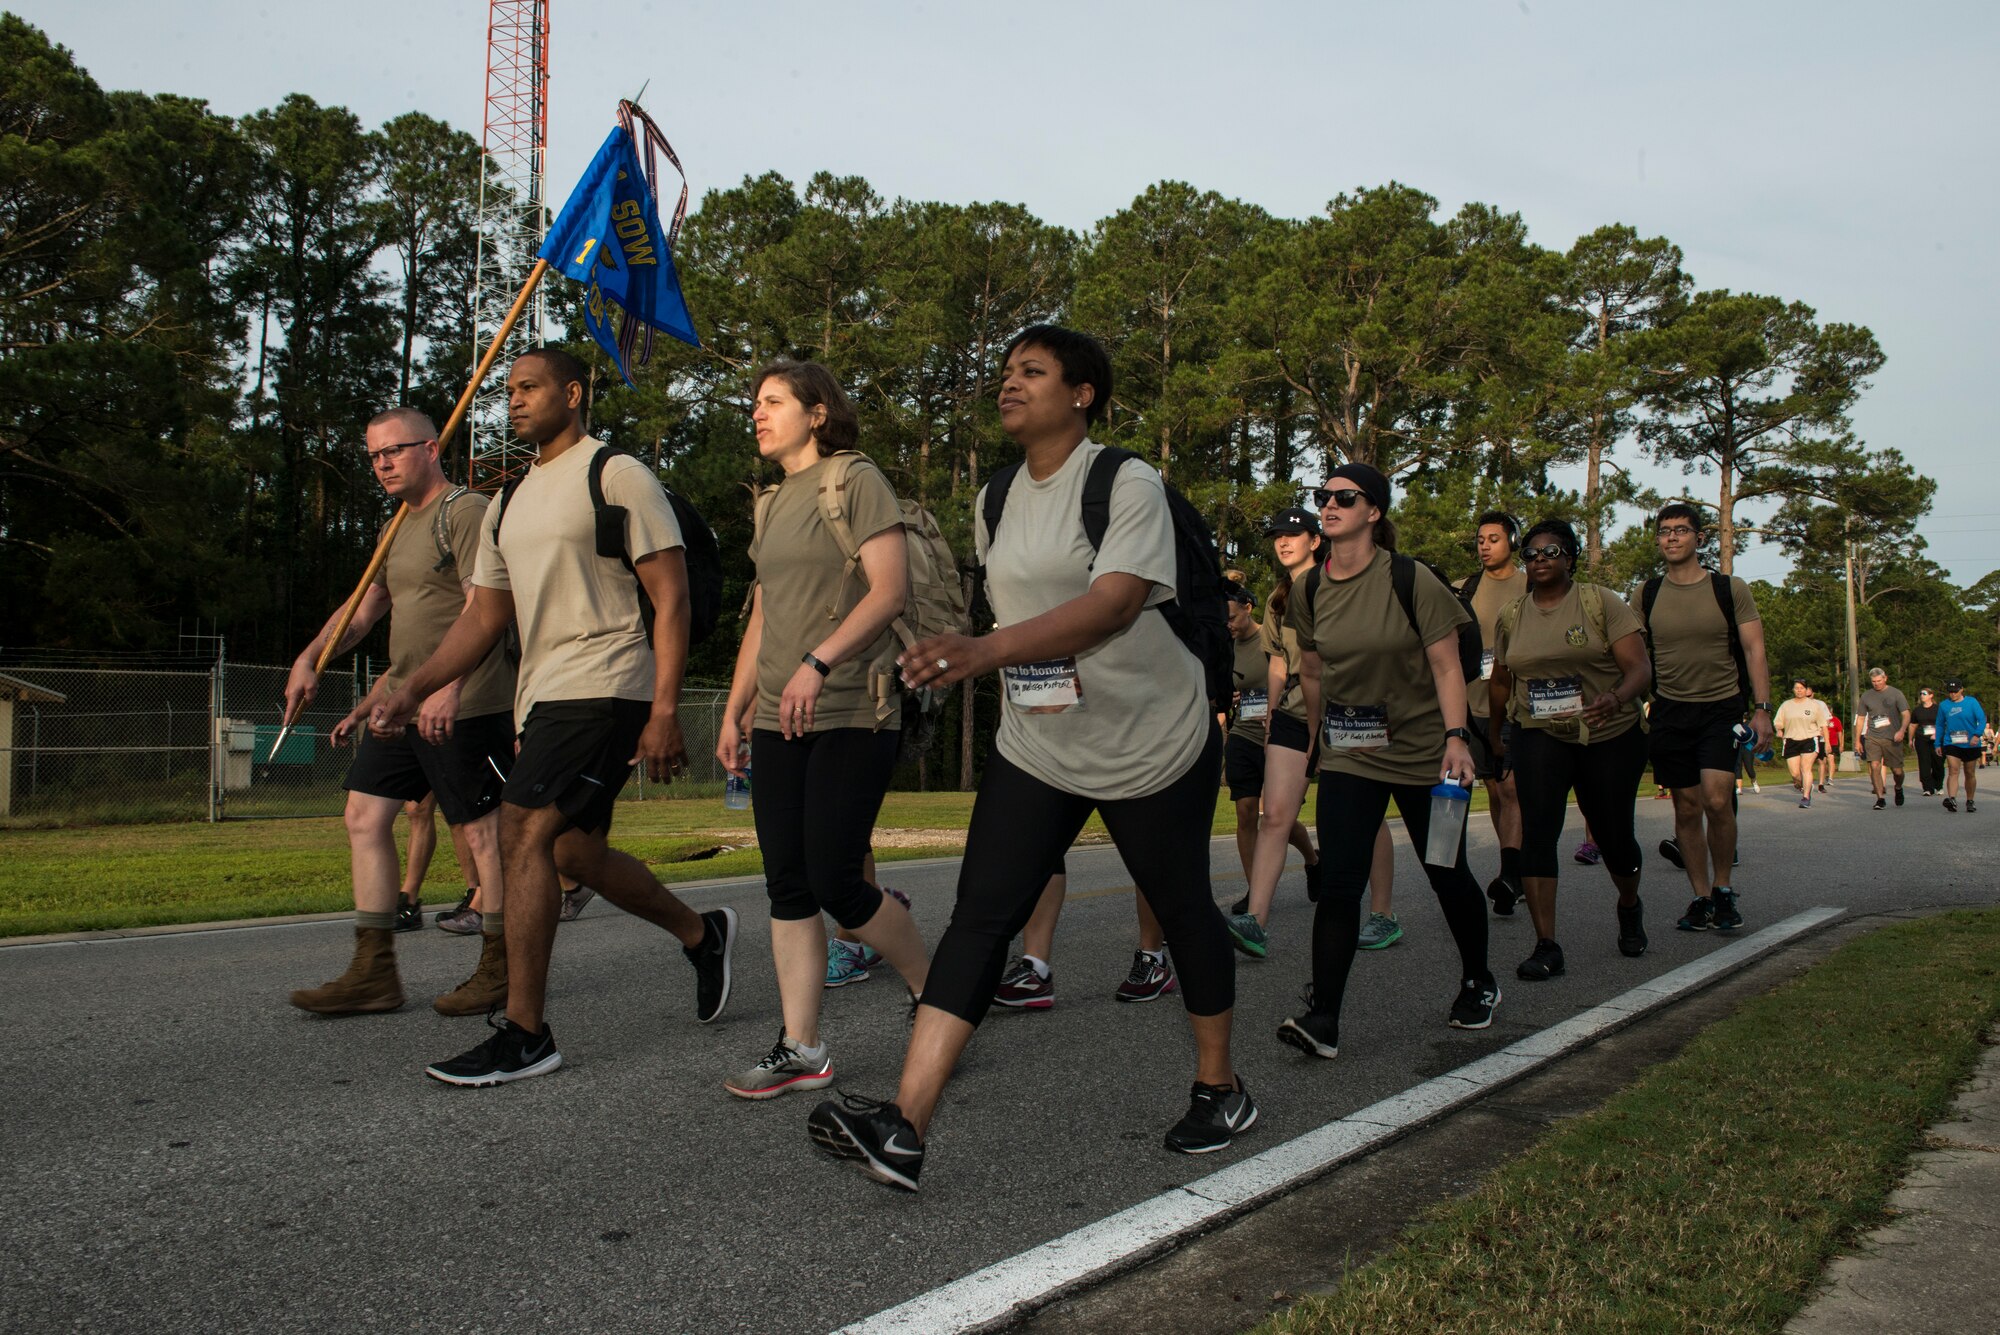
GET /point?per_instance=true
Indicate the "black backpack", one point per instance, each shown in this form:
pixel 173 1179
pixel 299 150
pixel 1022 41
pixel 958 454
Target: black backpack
pixel 1403 579
pixel 703 554
pixel 1197 612
pixel 1725 599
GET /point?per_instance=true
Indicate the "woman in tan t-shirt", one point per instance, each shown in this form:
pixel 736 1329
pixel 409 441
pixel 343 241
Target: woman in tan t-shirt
pixel 1569 666
pixel 822 736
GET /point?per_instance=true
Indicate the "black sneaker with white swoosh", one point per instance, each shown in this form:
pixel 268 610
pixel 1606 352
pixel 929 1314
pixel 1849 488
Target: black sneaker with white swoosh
pixel 872 1132
pixel 1216 1114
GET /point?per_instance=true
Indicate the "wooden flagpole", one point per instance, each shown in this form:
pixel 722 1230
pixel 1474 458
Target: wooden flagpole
pixel 451 426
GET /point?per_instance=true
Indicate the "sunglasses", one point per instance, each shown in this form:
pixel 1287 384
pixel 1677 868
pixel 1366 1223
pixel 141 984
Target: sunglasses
pixel 1552 552
pixel 1344 497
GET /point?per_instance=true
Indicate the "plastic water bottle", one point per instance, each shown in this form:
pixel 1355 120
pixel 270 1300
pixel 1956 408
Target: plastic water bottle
pixel 1449 803
pixel 736 791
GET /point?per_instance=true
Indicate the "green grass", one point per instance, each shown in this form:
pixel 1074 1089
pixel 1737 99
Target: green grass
pixel 1710 1195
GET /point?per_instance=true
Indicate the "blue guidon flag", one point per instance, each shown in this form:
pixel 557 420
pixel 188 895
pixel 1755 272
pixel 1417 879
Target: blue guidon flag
pixel 608 237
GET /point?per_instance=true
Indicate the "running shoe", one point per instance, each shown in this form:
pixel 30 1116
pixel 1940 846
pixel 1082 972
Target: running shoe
pixel 1380 932
pixel 1929 793
pixel 1899 794
pixel 874 1133
pixel 1314 1033
pixel 573 903
pixel 1588 853
pixel 1504 894
pixel 1822 788
pixel 1969 807
pixel 1545 963
pixel 711 963
pixel 1951 804
pixel 1724 917
pixel 1670 849
pixel 1699 917
pixel 1805 801
pixel 511 1053
pixel 1022 989
pixel 1880 804
pixel 1149 979
pixel 1632 931
pixel 1474 1005
pixel 845 963
pixel 1247 934
pixel 783 1069
pixel 1240 906
pixel 1312 883
pixel 409 915
pixel 1215 1114
pixel 463 920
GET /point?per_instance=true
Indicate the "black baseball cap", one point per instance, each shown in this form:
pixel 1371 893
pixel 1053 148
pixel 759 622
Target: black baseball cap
pixel 1236 593
pixel 1292 519
pixel 1953 684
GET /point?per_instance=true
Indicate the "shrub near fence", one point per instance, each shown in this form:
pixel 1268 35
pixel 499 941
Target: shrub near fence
pixel 92 745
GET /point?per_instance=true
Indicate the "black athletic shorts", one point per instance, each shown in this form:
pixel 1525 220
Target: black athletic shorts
pixel 1969 754
pixel 1243 767
pixel 576 756
pixel 1481 747
pixel 462 772
pixel 1290 733
pixel 1807 747
pixel 1689 737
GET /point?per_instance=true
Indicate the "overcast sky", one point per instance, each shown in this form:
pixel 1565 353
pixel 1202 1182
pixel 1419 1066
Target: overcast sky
pixel 1833 153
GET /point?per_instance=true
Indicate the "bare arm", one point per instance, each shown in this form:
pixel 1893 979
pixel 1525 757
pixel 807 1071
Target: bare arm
pixel 663 575
pixel 1449 680
pixel 885 569
pixel 471 637
pixel 1752 635
pixel 303 684
pixel 736 715
pixel 1629 651
pixel 1112 603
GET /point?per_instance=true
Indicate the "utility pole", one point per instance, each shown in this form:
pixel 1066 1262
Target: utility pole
pixel 1853 649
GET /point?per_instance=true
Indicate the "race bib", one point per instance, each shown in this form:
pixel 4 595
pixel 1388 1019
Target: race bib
pixel 1253 705
pixel 1554 697
pixel 1355 728
pixel 1486 665
pixel 1961 739
pixel 1044 688
pixel 1929 731
pixel 1878 722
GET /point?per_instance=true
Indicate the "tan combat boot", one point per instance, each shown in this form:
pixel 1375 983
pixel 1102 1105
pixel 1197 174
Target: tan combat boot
pixel 370 983
pixel 486 988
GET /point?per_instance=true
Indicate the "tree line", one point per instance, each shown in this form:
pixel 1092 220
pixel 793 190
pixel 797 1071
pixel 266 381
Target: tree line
pixel 198 313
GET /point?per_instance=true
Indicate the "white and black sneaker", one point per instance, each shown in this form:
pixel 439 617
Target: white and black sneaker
pixel 1473 1008
pixel 1312 1032
pixel 875 1134
pixel 512 1053
pixel 711 963
pixel 1215 1114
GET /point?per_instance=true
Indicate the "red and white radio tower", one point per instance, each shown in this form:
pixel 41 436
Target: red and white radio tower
pixel 513 218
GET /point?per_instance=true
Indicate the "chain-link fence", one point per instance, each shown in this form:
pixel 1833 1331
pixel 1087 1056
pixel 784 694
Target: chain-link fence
pixel 83 745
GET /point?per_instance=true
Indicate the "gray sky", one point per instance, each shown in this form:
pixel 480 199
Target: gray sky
pixel 1833 153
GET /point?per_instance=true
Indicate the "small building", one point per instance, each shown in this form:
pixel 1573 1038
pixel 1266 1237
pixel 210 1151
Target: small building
pixel 14 691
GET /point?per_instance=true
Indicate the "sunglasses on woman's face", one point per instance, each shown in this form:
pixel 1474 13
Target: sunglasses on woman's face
pixel 1345 497
pixel 1552 552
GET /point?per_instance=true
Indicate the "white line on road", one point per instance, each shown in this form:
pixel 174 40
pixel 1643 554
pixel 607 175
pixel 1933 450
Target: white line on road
pixel 1011 1288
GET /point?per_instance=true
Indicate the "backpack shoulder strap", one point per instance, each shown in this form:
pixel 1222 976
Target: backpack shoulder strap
pixel 1592 598
pixel 1308 588
pixel 598 504
pixel 1403 579
pixel 839 466
pixel 1097 492
pixel 997 488
pixel 1725 600
pixel 1647 597
pixel 441 531
pixel 499 506
pixel 1465 590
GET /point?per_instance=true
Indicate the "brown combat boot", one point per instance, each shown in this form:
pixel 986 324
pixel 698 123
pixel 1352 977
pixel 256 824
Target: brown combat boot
pixel 370 983
pixel 486 988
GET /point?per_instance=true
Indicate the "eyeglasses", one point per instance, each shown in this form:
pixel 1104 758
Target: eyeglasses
pixel 1345 497
pixel 389 453
pixel 1676 531
pixel 1552 552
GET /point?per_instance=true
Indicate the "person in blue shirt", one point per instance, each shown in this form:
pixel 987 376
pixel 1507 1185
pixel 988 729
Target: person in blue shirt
pixel 1961 736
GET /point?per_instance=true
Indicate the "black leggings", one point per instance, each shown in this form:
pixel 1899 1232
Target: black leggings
pixel 1021 827
pixel 815 800
pixel 1605 778
pixel 1930 765
pixel 1351 809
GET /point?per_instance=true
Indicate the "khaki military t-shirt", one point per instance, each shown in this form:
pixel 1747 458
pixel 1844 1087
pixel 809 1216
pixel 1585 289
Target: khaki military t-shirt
pixel 1800 720
pixel 424 600
pixel 1128 716
pixel 1691 658
pixel 799 569
pixel 1281 641
pixel 1560 663
pixel 1253 688
pixel 1374 673
pixel 582 635
pixel 1489 596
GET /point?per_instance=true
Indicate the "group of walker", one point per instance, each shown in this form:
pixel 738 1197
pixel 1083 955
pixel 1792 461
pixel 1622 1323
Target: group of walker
pixel 1361 674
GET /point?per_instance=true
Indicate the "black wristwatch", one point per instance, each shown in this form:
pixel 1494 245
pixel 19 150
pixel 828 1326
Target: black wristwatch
pixel 815 664
pixel 1764 705
pixel 1459 733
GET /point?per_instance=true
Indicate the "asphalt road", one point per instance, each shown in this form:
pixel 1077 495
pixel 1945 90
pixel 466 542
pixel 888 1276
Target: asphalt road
pixel 184 1151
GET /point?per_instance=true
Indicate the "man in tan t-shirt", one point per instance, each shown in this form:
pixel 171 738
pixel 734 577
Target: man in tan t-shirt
pixel 464 734
pixel 595 696
pixel 1801 723
pixel 1497 584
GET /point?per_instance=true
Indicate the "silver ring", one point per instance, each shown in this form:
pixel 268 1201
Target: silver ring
pixel 944 665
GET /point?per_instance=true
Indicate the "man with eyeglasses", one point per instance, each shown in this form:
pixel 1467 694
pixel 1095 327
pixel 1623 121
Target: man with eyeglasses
pixel 1707 643
pixel 462 742
pixel 1490 589
pixel 1884 726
